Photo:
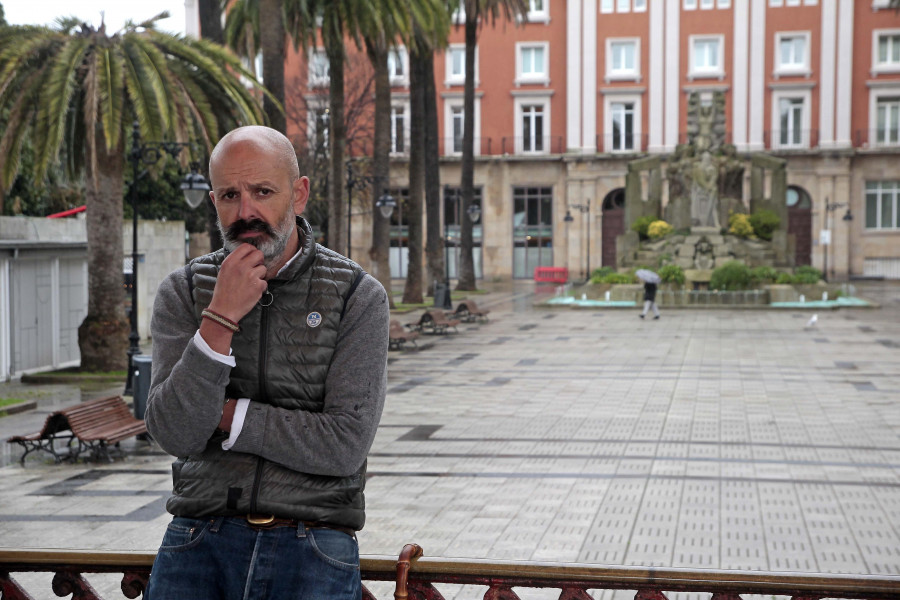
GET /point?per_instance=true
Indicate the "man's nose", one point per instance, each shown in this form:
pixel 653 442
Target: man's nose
pixel 247 207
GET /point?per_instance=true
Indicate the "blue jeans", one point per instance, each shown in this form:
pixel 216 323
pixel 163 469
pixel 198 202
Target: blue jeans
pixel 226 559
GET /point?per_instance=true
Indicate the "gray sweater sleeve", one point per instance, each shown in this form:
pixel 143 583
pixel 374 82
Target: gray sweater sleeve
pixel 188 389
pixel 336 440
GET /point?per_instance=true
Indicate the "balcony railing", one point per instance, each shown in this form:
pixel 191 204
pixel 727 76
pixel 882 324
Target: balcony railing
pixel 877 138
pixel 794 139
pixel 416 578
pixel 617 144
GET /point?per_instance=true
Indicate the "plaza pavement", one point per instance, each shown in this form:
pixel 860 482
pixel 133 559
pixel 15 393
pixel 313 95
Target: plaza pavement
pixel 715 439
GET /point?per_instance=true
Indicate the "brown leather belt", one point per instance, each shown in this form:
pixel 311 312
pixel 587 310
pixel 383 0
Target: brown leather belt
pixel 271 521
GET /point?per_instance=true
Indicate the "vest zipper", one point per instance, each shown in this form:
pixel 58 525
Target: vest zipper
pixel 264 394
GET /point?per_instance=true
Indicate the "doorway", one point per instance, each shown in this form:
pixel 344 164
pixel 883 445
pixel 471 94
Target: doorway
pixel 613 225
pixel 532 230
pixel 799 208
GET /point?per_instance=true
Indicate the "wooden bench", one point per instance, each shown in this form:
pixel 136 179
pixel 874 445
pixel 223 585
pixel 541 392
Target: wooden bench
pixel 436 321
pixel 398 336
pixel 468 311
pixel 95 424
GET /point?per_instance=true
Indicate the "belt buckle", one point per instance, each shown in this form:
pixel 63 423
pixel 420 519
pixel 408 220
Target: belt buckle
pixel 260 520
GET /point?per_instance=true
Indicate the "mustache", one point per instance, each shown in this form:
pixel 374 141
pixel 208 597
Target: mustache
pixel 255 226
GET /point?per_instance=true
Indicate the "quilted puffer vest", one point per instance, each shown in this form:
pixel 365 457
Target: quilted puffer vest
pixel 281 361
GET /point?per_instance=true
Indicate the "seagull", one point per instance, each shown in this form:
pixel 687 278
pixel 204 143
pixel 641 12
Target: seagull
pixel 812 321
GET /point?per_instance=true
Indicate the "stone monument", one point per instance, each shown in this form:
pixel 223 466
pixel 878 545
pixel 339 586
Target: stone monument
pixel 705 183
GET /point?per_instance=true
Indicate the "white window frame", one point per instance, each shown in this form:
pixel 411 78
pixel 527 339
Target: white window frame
pixel 623 6
pixel 450 79
pixel 776 3
pixel 406 140
pixel 521 101
pixel 876 95
pixel 713 72
pixel 607 6
pixel 538 16
pixel 805 118
pixel 893 196
pixel 612 74
pixel 723 4
pixel 794 68
pixel 449 104
pixel 879 67
pixel 314 106
pixel 459 13
pixel 707 4
pixel 314 81
pixel 690 4
pixel 613 98
pixel 640 6
pixel 522 78
pixel 394 54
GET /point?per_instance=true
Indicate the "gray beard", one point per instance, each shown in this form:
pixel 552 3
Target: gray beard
pixel 272 248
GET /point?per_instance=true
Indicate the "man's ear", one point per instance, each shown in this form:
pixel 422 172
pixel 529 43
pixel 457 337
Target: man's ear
pixel 212 196
pixel 301 194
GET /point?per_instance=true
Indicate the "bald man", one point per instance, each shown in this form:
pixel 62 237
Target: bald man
pixel 269 378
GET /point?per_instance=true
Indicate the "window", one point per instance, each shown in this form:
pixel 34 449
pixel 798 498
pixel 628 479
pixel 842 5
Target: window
pixel 690 4
pixel 792 2
pixel 459 13
pixel 776 3
pixel 724 4
pixel 538 11
pixel 457 118
pixel 532 63
pixel 606 6
pixel 533 128
pixel 793 57
pixel 456 65
pixel 887 118
pixel 398 66
pixel 622 59
pixel 707 4
pixel 318 68
pixel 640 5
pixel 398 130
pixel 623 6
pixel 706 56
pixel 318 118
pixel 887 50
pixel 622 122
pixel 532 123
pixel 882 210
pixel 622 126
pixel 790 111
pixel 532 229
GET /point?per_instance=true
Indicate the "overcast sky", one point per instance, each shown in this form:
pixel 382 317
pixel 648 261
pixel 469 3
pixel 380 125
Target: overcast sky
pixel 43 12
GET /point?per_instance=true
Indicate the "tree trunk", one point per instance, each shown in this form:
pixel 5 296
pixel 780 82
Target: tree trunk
pixel 211 29
pixel 434 246
pixel 337 142
pixel 412 291
pixel 466 275
pixel 272 35
pixel 211 21
pixel 103 335
pixel 381 227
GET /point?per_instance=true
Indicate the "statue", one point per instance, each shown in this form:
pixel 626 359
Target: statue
pixel 705 193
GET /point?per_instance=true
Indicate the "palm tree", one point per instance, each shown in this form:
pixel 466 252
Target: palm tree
pixel 477 13
pixel 74 91
pixel 242 31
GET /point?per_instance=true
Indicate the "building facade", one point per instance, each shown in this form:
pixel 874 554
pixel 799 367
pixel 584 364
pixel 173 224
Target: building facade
pixel 568 96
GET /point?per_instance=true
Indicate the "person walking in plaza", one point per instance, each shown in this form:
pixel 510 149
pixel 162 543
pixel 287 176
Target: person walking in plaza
pixel 268 381
pixel 651 282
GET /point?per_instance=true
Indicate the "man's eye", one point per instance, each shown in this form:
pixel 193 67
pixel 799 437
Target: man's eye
pixel 263 192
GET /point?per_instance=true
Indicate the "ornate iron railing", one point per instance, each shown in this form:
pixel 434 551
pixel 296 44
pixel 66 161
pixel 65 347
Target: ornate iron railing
pixel 415 577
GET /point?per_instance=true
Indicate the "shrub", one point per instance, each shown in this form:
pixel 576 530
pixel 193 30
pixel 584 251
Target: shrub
pixel 658 229
pixel 672 274
pixel 641 224
pixel 763 274
pixel 618 278
pixel 764 223
pixel 784 278
pixel 806 274
pixel 733 275
pixel 739 225
pixel 600 273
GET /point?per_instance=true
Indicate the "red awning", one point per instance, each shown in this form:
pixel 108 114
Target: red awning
pixel 67 213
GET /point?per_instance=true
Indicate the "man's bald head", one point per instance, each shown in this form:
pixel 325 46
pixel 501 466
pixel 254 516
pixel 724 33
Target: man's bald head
pixel 267 140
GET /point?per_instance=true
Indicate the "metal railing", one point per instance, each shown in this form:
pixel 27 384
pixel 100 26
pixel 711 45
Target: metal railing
pixel 415 577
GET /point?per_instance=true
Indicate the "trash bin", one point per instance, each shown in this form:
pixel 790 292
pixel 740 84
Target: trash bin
pixel 442 296
pixel 141 383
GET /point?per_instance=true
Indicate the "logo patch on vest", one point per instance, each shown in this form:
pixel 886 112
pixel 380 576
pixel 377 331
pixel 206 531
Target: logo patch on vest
pixel 314 319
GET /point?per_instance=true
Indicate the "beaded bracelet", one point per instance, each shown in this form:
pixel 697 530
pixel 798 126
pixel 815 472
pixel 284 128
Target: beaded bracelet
pixel 223 321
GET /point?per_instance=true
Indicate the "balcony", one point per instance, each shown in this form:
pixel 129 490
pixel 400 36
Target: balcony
pixel 420 578
pixel 877 138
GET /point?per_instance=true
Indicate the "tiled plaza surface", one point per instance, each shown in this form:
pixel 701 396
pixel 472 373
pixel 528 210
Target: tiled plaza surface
pixel 715 439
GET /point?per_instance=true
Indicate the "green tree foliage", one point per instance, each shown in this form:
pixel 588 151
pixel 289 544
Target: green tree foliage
pixel 74 91
pixel 672 274
pixel 160 197
pixel 642 224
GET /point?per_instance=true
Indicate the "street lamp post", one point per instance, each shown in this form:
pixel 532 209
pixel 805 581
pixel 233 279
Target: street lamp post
pixel 194 187
pixel 385 203
pixel 583 208
pixel 825 236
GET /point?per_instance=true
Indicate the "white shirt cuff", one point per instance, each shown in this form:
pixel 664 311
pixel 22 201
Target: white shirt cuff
pixel 237 423
pixel 204 347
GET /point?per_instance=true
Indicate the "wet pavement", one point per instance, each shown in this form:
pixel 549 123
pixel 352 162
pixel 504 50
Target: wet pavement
pixel 720 439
